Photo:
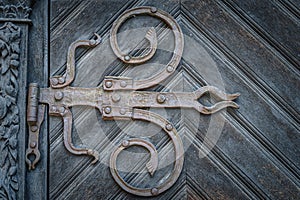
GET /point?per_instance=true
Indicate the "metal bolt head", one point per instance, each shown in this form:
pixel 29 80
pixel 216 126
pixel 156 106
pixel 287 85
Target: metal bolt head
pixel 61 110
pixel 53 108
pixel 122 111
pixel 123 84
pixel 108 84
pixel 161 98
pixel 116 97
pixel 92 42
pixel 153 9
pixel 59 95
pixel 169 127
pixel 125 143
pixel 127 58
pixel 170 69
pixel 34 128
pixel 54 81
pixel 61 80
pixel 32 144
pixel 107 110
pixel 154 191
pixel 90 152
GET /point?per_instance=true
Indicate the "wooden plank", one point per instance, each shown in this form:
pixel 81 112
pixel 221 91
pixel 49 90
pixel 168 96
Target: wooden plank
pixel 256 155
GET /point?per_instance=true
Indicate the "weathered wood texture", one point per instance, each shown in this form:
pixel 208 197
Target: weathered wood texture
pixel 36 186
pixel 20 50
pixel 255 47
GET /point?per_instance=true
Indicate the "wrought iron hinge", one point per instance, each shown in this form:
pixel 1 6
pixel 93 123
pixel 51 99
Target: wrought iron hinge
pixel 121 98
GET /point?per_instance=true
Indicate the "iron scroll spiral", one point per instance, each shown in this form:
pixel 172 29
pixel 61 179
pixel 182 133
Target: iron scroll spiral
pixel 139 114
pixel 122 98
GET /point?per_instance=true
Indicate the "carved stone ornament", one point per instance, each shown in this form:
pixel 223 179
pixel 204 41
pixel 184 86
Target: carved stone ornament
pixel 18 11
pixel 10 35
pixel 122 98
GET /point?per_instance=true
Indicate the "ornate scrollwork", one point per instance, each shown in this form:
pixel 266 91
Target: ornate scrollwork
pixel 122 98
pixel 9 111
pixel 149 99
pixel 170 67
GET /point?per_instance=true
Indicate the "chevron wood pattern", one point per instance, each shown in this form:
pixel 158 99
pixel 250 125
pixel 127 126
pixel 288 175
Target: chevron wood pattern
pixel 254 45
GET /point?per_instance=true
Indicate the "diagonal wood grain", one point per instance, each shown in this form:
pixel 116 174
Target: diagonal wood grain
pixel 256 155
pixel 265 142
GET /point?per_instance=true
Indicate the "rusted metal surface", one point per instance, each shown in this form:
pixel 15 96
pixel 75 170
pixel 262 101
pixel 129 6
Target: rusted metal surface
pixel 35 117
pixel 116 98
pixel 151 165
pixel 120 83
pixel 68 77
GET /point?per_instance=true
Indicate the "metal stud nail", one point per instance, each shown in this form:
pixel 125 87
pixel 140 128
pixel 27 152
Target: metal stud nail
pixel 90 152
pixel 34 128
pixel 170 69
pixel 169 127
pixel 61 80
pixel 125 143
pixel 154 191
pixel 153 9
pixel 161 98
pixel 127 58
pixel 92 42
pixel 59 95
pixel 122 111
pixel 116 97
pixel 108 84
pixel 107 110
pixel 32 144
pixel 61 110
pixel 53 108
pixel 54 81
pixel 123 84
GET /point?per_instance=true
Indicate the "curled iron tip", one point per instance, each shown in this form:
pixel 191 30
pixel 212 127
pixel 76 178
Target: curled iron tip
pixel 95 42
pixel 98 38
pixel 218 106
pixel 151 169
pixel 94 154
pixel 36 153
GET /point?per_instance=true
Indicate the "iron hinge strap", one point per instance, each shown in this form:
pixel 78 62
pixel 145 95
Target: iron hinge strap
pixel 121 98
pixel 119 103
pixel 116 104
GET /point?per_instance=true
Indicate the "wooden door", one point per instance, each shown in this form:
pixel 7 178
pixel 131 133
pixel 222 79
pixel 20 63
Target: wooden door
pixel 250 47
pixel 254 47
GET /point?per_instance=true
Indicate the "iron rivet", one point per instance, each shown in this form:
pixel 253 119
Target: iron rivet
pixel 61 110
pixel 170 69
pixel 127 58
pixel 116 97
pixel 125 143
pixel 32 144
pixel 169 127
pixel 122 111
pixel 34 128
pixel 107 110
pixel 90 152
pixel 61 80
pixel 92 42
pixel 54 81
pixel 54 108
pixel 153 9
pixel 59 95
pixel 154 191
pixel 123 84
pixel 161 98
pixel 108 84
